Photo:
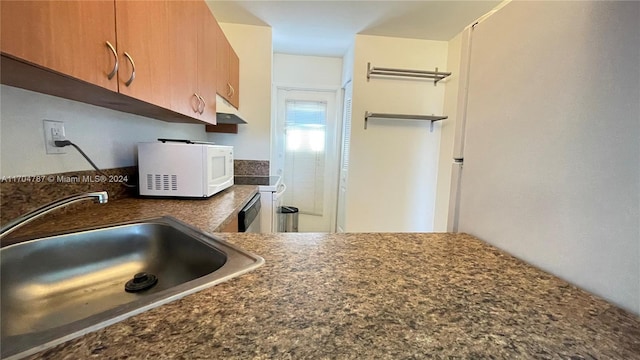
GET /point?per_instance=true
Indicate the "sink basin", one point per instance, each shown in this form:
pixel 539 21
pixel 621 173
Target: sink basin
pixel 60 287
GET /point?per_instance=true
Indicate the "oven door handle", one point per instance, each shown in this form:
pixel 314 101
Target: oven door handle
pixel 281 189
pixel 249 215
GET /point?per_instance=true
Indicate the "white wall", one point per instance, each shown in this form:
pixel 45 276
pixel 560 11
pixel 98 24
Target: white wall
pixel 109 137
pixel 447 131
pixel 307 71
pixel 393 164
pixel 254 48
pixel 347 65
pixel 552 155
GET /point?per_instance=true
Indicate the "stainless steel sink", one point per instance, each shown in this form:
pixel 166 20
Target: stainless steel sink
pixel 60 287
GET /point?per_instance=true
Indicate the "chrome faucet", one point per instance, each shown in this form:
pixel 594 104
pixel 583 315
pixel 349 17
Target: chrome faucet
pixel 100 197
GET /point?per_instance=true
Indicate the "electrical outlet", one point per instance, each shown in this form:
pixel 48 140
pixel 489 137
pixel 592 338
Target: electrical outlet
pixel 53 130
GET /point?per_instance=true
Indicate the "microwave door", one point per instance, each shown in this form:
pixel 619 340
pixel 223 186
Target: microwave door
pixel 219 169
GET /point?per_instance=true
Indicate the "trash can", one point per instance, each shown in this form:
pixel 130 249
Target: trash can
pixel 287 219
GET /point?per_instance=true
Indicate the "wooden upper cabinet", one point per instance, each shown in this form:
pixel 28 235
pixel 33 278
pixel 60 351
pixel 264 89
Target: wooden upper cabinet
pixel 222 63
pixel 234 78
pixel 144 50
pixel 164 55
pixel 207 59
pixel 183 36
pixel 228 73
pixel 165 40
pixel 69 37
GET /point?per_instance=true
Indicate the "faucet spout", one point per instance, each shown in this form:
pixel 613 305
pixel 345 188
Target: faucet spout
pixel 100 197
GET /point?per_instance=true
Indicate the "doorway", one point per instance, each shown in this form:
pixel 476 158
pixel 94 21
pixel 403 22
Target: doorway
pixel 304 153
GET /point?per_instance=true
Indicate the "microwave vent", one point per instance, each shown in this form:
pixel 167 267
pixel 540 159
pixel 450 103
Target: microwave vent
pixel 165 182
pixel 162 182
pixel 174 182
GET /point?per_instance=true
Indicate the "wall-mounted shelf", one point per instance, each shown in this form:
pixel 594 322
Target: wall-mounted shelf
pixel 431 118
pixel 421 74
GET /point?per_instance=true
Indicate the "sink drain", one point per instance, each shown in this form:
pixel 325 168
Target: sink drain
pixel 141 281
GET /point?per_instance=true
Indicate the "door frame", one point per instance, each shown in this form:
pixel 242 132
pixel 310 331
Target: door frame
pixel 336 142
pixel 342 171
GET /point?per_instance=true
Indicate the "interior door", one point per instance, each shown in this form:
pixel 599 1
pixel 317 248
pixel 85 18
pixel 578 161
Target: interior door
pixel 306 156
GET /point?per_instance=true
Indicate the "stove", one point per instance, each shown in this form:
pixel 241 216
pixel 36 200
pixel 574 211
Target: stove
pixel 271 192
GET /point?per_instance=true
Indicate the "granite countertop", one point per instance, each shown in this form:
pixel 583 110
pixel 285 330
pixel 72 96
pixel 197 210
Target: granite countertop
pixel 356 296
pixel 209 215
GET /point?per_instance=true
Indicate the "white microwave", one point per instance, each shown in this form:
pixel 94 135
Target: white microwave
pixel 184 168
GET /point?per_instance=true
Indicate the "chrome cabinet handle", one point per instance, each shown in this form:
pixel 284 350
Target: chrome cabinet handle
pixel 201 104
pixel 196 109
pixel 233 91
pixel 115 66
pixel 133 69
pixel 204 105
pixel 229 93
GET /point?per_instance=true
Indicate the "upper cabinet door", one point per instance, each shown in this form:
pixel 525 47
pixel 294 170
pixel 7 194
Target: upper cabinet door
pixel 222 64
pixel 144 50
pixel 234 78
pixel 69 37
pixel 228 73
pixel 207 59
pixel 184 26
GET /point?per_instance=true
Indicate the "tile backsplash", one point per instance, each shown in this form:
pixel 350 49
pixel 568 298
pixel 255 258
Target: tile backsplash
pixel 251 167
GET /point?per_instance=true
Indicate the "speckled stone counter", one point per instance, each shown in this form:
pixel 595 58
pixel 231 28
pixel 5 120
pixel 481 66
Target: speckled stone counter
pixel 364 296
pixel 209 215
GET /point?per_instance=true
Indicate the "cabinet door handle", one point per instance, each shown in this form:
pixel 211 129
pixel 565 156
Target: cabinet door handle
pixel 115 66
pixel 233 91
pixel 201 104
pixel 204 105
pixel 133 69
pixel 229 92
pixel 196 109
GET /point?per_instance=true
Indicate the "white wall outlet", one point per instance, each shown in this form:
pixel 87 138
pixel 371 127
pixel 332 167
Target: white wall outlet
pixel 53 130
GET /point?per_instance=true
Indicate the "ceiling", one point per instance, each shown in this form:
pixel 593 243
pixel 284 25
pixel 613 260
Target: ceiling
pixel 327 28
